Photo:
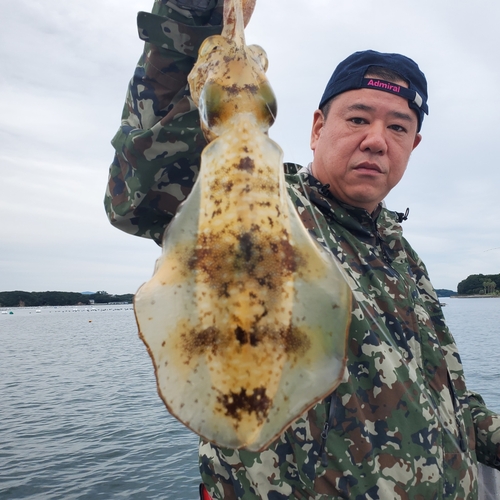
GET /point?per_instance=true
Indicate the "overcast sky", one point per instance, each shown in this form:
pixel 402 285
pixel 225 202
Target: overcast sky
pixel 65 67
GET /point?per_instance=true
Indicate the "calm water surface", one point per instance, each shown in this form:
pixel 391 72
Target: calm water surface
pixel 80 417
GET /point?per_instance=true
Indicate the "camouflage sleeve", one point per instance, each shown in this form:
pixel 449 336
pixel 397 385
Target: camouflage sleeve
pixel 487 427
pixel 158 145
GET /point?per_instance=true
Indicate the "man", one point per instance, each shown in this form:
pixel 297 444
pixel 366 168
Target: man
pixel 402 424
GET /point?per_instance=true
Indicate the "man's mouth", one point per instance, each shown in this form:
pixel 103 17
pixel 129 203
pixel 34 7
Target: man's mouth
pixel 368 167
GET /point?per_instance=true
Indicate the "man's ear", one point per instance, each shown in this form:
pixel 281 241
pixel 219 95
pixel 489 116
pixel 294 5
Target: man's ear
pixel 417 140
pixel 317 127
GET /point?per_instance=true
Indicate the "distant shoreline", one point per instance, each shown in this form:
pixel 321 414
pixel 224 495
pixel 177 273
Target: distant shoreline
pixel 475 297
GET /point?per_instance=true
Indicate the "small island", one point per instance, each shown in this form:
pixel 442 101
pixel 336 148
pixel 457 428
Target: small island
pixel 444 292
pixel 480 285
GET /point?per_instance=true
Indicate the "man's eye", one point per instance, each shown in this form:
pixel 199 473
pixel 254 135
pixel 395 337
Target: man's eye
pixel 398 128
pixel 358 121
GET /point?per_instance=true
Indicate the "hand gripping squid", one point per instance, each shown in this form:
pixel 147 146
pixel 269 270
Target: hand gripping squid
pixel 246 316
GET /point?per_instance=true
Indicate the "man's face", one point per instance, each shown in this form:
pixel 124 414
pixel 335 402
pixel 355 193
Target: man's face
pixel 363 146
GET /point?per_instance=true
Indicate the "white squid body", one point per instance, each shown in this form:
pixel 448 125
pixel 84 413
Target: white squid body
pixel 246 316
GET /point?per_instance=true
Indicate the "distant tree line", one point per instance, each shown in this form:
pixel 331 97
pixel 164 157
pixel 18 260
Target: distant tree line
pixel 38 299
pixel 444 292
pixel 480 284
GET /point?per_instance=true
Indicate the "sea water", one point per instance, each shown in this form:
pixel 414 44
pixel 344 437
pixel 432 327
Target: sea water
pixel 475 325
pixel 80 417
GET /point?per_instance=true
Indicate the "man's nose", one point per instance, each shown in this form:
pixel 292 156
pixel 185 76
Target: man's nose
pixel 375 139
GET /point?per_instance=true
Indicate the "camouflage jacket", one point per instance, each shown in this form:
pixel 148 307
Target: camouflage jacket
pixel 402 424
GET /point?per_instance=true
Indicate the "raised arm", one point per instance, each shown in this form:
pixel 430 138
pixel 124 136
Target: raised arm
pixel 487 427
pixel 158 145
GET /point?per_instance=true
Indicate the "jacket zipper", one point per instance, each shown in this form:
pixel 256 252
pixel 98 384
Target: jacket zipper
pixel 383 252
pixel 324 434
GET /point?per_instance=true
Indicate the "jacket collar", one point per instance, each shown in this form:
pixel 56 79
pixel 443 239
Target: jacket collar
pixel 357 220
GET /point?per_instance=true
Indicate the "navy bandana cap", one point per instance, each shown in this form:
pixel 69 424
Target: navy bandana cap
pixel 350 75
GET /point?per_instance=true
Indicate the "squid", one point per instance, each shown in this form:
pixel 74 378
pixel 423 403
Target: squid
pixel 246 315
